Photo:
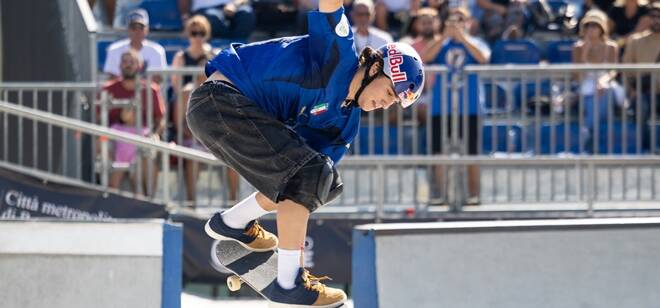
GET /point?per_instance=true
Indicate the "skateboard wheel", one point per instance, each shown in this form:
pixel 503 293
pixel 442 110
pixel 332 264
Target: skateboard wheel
pixel 234 283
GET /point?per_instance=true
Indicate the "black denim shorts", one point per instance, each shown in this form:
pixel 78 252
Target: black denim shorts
pixel 263 150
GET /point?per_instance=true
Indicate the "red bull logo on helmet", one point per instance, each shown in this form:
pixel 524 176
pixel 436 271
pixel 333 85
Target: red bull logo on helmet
pixel 395 59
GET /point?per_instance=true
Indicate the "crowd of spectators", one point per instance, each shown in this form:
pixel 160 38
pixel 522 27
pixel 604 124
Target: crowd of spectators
pixel 454 33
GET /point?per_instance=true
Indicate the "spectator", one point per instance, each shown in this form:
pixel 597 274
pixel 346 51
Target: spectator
pixel 125 153
pixel 231 19
pixel 198 53
pixel 456 48
pixel 365 35
pixel 503 17
pixel 391 15
pixel 597 87
pixel 124 89
pixel 425 29
pixel 628 17
pixel 152 53
pixel 645 48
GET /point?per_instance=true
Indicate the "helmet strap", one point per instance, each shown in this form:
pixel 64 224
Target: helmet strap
pixel 366 80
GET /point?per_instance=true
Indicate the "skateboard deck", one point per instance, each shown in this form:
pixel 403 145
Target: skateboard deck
pixel 256 269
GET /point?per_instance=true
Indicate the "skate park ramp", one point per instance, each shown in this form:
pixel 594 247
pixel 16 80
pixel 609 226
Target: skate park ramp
pixel 536 263
pixel 60 264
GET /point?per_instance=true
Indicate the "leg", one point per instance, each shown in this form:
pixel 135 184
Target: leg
pixel 474 181
pixel 233 180
pixel 291 224
pixel 115 179
pixel 191 170
pixel 109 6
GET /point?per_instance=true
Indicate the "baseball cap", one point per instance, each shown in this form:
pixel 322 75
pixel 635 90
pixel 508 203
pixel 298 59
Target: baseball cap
pixel 139 16
pixel 597 17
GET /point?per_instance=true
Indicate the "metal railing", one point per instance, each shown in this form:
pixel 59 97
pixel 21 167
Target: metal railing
pixel 530 166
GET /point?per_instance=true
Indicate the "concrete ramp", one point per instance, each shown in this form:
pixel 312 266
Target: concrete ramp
pixel 60 264
pixel 595 263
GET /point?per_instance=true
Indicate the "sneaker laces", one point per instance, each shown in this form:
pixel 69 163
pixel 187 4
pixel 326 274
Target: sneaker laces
pixel 314 283
pixel 256 231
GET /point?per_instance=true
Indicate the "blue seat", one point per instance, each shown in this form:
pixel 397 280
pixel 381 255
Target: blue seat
pixel 102 52
pixel 495 97
pixel 617 138
pixel 560 51
pixel 515 52
pixel 393 146
pixel 562 145
pixel 164 15
pixel 508 139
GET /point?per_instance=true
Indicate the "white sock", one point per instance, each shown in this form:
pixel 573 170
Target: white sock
pixel 242 213
pixel 288 264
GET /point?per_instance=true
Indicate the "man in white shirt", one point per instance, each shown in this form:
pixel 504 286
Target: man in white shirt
pixel 365 35
pixel 152 53
pixel 229 19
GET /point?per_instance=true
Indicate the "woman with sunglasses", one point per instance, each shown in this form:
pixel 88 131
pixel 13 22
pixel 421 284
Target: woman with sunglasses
pixel 282 113
pixel 198 53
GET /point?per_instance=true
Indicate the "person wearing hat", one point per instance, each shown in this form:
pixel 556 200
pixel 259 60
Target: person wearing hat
pixel 596 87
pixel 152 52
pixel 645 48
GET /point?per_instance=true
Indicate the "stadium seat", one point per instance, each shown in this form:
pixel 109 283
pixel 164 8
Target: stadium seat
pixel 495 97
pixel 163 14
pixel 560 51
pixel 515 52
pixel 508 138
pixel 102 52
pixel 361 144
pixel 562 145
pixel 618 136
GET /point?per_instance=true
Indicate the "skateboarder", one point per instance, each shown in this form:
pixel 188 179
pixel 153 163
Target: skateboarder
pixel 282 113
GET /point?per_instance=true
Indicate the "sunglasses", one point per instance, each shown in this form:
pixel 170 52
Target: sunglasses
pixel 362 14
pixel 136 26
pixel 198 33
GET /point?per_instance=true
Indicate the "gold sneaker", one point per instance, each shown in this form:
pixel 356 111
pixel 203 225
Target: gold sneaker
pixel 254 237
pixel 309 292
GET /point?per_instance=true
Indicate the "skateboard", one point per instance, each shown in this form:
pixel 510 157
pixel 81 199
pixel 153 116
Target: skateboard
pixel 258 270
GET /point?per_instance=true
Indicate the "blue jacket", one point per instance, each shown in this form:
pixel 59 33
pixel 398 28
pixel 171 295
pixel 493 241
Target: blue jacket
pixel 301 80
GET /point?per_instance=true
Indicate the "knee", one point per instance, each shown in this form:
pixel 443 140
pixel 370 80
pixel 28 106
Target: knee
pixel 315 184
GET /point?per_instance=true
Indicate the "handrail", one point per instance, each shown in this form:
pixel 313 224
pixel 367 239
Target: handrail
pixel 87 16
pixel 366 160
pixel 98 130
pixel 522 68
pixel 64 86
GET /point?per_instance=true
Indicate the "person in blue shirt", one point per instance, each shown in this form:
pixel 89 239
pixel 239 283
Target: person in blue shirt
pixel 456 49
pixel 282 113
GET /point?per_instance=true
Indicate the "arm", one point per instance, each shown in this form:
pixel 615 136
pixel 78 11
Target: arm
pixel 176 63
pixel 329 6
pixel 431 51
pixel 477 53
pixel 159 111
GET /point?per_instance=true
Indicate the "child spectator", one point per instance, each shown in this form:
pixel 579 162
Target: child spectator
pixel 125 154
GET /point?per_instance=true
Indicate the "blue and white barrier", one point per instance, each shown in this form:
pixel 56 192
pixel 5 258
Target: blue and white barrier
pixel 63 264
pixel 549 263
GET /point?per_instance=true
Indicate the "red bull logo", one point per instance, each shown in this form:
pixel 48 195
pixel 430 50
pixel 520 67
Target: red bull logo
pixel 395 60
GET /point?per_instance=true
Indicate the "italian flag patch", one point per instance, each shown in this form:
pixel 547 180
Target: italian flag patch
pixel 320 108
